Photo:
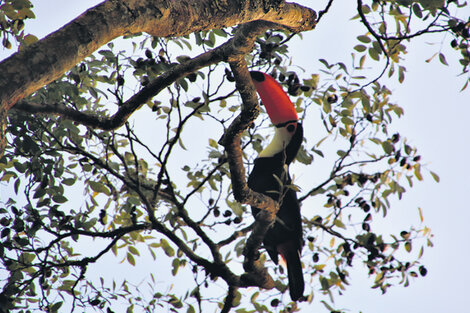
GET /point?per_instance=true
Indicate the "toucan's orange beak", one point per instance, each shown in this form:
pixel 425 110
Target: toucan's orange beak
pixel 278 105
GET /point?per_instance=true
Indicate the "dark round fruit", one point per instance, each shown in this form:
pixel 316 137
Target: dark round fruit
pixel 332 98
pixel 423 271
pixel 275 302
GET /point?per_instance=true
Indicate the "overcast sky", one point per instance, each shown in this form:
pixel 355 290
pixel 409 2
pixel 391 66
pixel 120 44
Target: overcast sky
pixel 436 121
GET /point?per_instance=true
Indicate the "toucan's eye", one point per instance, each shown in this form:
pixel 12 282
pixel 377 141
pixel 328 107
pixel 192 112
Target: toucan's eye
pixel 290 128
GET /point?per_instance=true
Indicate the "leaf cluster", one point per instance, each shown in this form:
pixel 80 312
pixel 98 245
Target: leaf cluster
pixel 13 14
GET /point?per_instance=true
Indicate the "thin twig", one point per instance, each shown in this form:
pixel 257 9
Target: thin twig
pixel 324 11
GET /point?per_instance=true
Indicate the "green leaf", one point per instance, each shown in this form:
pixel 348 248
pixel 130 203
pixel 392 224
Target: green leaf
pixel 176 302
pixel 134 201
pixel 325 63
pixel 130 309
pixel 39 193
pixel 180 142
pixel 421 251
pixel 55 307
pixel 20 167
pixel 133 250
pixel 237 299
pixel 417 171
pixel 339 223
pixel 360 48
pixel 169 251
pixel 374 54
pixel 364 39
pixel 114 249
pixel 68 181
pixel 27 258
pixel 465 85
pixel 7 175
pixel 347 121
pixel 184 84
pixel 417 10
pixel 67 285
pixel 318 152
pixel 59 199
pixel 432 4
pixel 324 283
pixel 220 32
pixel 29 39
pixel 99 188
pixel 107 53
pixel 176 264
pixel 130 259
pixel 401 74
pixel 442 59
pixel 366 9
pixel 213 143
pixel 17 185
pixel 408 246
pixel 327 306
pixel 237 207
pixel 190 309
pixel 304 157
pixel 434 176
pixel 387 147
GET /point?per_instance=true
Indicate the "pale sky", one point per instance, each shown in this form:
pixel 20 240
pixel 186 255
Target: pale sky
pixel 436 122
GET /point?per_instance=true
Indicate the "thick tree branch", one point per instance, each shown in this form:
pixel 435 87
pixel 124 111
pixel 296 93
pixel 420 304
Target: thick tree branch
pixel 40 63
pixel 256 273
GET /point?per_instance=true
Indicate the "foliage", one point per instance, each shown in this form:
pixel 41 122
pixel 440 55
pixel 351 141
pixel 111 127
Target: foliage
pixel 156 193
pixel 13 14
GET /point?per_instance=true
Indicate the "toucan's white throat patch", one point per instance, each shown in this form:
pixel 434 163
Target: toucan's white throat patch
pixel 280 140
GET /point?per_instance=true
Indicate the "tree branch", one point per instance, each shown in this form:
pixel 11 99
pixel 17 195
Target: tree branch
pixel 426 30
pixel 87 260
pixel 228 303
pixel 217 269
pixel 324 11
pixel 39 64
pixel 235 235
pixel 256 272
pixel 241 43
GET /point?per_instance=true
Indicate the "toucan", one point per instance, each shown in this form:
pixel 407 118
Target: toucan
pixel 270 176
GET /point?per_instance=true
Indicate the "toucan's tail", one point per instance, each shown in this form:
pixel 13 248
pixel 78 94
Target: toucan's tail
pixel 294 270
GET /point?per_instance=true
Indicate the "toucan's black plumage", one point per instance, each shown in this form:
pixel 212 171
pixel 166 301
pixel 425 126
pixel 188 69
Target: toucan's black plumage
pixel 270 176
